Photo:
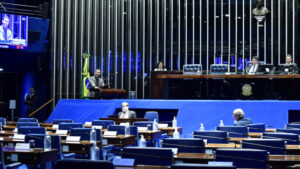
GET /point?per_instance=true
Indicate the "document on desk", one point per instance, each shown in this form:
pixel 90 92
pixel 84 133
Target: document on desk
pixel 73 139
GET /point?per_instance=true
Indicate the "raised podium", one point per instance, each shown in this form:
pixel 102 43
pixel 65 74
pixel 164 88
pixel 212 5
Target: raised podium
pixel 110 93
pixel 118 120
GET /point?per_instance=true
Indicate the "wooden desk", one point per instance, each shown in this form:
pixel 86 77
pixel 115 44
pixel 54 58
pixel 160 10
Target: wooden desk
pixel 10 142
pixel 118 121
pixel 270 130
pixel 6 133
pixel 215 146
pixel 8 128
pixel 82 147
pixel 36 156
pixel 151 135
pixel 255 135
pixel 119 141
pixel 193 157
pixel 283 161
pixel 237 139
pixel 170 130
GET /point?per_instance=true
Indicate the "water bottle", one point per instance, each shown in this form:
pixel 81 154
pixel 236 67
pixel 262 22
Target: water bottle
pixel 127 129
pixel 174 122
pixel 221 123
pixel 47 143
pixel 142 141
pixel 201 127
pixel 155 125
pixel 176 133
pixel 93 134
pixel 95 152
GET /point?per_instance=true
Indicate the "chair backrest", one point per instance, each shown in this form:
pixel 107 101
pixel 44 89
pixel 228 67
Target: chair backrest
pixel 32 130
pixel 288 137
pixel 151 115
pixel 2 121
pixel 24 124
pixel 27 120
pixel 191 69
pixel 103 123
pixel 218 68
pixel 214 136
pixel 191 145
pixel 199 166
pixel 84 133
pixel 273 146
pixel 58 121
pixel 68 126
pixel 244 158
pixel 294 131
pixel 118 128
pixel 234 131
pixel 2 165
pixel 83 164
pixel 257 128
pixel 148 124
pixel 293 126
pixel 149 155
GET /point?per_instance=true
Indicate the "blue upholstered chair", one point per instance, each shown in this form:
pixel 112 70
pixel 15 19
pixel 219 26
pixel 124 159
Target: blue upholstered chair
pixel 29 124
pixel 214 136
pixel 7 166
pixel 149 155
pixel 84 133
pixel 68 126
pixel 191 69
pixel 257 128
pixel 244 158
pixel 293 126
pixel 185 145
pixel 28 120
pixel 151 115
pixel 234 131
pixel 273 146
pixel 294 131
pixel 199 166
pixel 148 124
pixel 218 68
pixel 58 121
pixel 121 130
pixel 83 164
pixel 31 130
pixel 2 121
pixel 289 137
pixel 103 123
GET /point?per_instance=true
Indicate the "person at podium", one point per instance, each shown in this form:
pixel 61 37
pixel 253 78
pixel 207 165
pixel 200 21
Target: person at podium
pixel 254 66
pixel 160 67
pixel 95 82
pixel 126 113
pixel 292 67
pixel 240 120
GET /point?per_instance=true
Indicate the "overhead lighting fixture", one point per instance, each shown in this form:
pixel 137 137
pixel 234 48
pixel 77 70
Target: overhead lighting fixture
pixel 1 69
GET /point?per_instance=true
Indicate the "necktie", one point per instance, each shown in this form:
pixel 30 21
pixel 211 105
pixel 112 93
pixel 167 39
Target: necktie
pixel 97 82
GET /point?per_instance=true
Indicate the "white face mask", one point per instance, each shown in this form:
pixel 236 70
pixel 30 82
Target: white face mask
pixel 124 109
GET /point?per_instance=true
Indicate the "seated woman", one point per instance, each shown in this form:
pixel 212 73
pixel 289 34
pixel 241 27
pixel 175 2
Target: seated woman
pixel 160 67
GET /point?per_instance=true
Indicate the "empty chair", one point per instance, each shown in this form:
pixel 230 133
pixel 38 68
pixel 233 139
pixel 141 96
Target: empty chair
pixel 103 123
pixel 2 121
pixel 68 126
pixel 273 146
pixel 289 137
pixel 185 145
pixel 294 131
pixel 151 115
pixel 24 124
pixel 83 164
pixel 121 130
pixel 200 166
pixel 149 155
pixel 234 131
pixel 31 130
pixel 58 121
pixel 257 128
pixel 218 68
pixel 214 136
pixel 144 124
pixel 293 126
pixel 84 133
pixel 27 120
pixel 244 158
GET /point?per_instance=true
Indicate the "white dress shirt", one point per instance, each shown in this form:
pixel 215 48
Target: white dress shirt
pixel 253 69
pixel 125 115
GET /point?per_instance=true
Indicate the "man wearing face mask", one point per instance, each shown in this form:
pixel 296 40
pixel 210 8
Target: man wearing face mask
pixel 126 113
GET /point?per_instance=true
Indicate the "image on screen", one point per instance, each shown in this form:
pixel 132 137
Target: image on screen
pixel 13 31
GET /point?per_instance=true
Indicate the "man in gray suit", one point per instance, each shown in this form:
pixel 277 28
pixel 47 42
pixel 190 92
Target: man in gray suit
pixel 126 113
pixel 254 66
pixel 95 82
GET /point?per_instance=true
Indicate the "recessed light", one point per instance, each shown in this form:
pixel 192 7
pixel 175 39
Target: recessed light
pixel 1 69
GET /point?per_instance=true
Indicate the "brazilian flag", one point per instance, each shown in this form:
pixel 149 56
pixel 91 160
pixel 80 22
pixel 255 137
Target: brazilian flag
pixel 85 76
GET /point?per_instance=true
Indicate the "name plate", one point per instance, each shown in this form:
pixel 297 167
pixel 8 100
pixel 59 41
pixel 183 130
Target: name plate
pixel 110 133
pixel 123 124
pixel 62 132
pixel 142 128
pixel 15 130
pixel 162 125
pixel 22 147
pixel 97 127
pixel 88 124
pixel 19 137
pixel 174 150
pixel 55 126
pixel 220 163
pixel 73 139
pixel 1 138
pixel 123 162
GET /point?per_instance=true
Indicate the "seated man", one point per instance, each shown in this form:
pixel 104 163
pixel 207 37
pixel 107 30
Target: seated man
pixel 254 66
pixel 238 115
pixel 292 67
pixel 126 113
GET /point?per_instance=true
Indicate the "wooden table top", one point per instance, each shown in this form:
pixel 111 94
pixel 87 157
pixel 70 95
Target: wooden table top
pixel 231 76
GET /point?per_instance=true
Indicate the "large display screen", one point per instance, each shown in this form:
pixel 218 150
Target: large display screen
pixel 13 31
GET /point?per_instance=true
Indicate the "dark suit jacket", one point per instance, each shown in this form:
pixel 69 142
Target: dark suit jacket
pixel 258 68
pixel 93 84
pixel 31 102
pixel 131 114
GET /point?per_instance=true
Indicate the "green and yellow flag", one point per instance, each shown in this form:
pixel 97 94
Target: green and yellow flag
pixel 85 76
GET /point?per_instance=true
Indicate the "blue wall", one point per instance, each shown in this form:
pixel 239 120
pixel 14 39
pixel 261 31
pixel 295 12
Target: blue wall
pixel 191 112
